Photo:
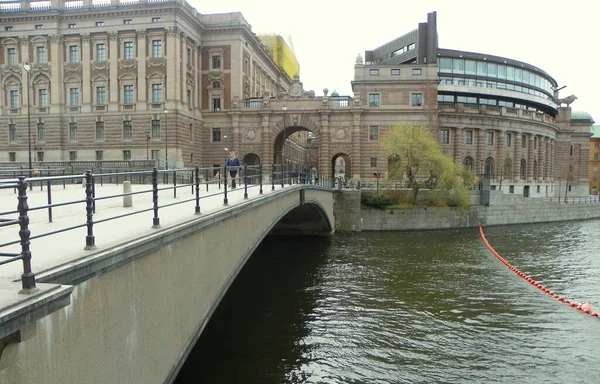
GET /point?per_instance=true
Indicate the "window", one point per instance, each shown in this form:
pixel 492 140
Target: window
pixel 395 72
pixel 468 137
pixel 74 97
pixel 99 23
pixel 127 21
pixel 73 131
pixel 373 162
pixel 216 104
pixel 101 52
pixel 71 26
pixel 523 141
pixel 373 132
pixel 490 138
pixel 156 19
pixel 42 98
pixel 12 157
pixel 416 99
pixel 216 135
pixel 40 156
pixel 12 56
pixel 534 142
pixel 12 132
pixel 157 93
pixel 99 131
pixel 188 97
pixel 216 62
pixel 8 28
pixel 572 150
pixel 73 155
pixel 155 154
pixel 127 129
pixel 468 163
pixel 373 72
pixel 41 132
pixel 128 94
pixel 74 54
pixel 127 154
pixel 40 55
pixel 445 136
pixel 99 155
pixel 416 71
pixel 157 51
pixel 373 100
pixel 508 139
pixel 128 50
pixel 14 99
pixel 101 95
pixel 155 128
pixel 595 157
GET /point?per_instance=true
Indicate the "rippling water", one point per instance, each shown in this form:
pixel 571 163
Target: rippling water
pixel 409 307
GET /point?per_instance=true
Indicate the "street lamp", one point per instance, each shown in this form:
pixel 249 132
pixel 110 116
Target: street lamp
pixel 283 144
pixel 166 139
pixel 377 176
pixel 147 145
pixel 27 68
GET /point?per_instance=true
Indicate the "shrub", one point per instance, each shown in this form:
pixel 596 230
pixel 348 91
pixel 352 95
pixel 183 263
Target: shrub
pixel 379 201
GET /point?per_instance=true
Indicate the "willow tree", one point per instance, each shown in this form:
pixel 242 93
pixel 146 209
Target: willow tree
pixel 419 159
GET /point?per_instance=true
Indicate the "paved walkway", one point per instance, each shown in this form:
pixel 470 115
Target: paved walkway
pixel 67 247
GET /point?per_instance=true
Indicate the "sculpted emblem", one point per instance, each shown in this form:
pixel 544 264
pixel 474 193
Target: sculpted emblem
pixel 340 134
pixel 251 135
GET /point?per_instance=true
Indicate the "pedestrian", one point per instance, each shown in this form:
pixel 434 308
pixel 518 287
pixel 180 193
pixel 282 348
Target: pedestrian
pixel 233 164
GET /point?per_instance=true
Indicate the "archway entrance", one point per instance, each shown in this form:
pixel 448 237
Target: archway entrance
pixel 295 146
pixel 251 159
pixel 341 166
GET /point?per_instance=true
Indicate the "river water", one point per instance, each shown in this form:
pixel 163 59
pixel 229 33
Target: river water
pixel 409 307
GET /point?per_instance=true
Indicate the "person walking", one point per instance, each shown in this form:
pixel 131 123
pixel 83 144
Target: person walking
pixel 233 164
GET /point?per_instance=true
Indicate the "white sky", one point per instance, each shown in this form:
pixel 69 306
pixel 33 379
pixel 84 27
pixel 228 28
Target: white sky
pixel 560 37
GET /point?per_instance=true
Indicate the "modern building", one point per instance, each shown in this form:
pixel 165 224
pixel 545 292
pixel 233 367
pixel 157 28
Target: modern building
pixel 594 168
pixel 120 79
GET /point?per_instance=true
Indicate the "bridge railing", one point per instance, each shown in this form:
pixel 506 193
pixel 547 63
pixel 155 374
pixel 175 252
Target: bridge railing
pixel 252 178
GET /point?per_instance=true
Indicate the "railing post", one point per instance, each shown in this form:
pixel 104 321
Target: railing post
pixel 197 210
pixel 28 277
pixel 282 176
pixel 225 201
pixel 155 219
pixel 93 195
pixel 273 177
pixel 206 179
pixel 90 241
pixel 174 184
pixel 245 181
pixel 49 202
pixel 260 179
pixel 64 181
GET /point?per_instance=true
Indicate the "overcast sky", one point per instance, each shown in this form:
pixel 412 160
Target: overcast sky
pixel 559 37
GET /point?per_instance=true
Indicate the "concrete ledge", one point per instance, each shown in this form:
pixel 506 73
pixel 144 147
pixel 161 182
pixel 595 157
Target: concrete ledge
pixel 20 310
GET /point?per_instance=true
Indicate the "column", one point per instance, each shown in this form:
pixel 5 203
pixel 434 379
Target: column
pixel 499 163
pixel 141 92
pixel 356 157
pixel 517 158
pixel 173 71
pixel 480 159
pixel 530 157
pixel 546 159
pixel 235 127
pixel 24 42
pixel 113 67
pixel 56 71
pixel 266 155
pixel 552 159
pixel 324 138
pixel 86 74
pixel 458 144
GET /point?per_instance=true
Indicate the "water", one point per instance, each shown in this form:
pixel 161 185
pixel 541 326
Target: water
pixel 412 307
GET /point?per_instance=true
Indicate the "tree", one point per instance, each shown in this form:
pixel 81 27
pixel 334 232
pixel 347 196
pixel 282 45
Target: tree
pixel 419 159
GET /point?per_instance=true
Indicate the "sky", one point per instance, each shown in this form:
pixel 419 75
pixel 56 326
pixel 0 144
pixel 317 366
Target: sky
pixel 561 38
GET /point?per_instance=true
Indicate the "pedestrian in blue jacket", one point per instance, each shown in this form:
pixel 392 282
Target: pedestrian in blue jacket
pixel 233 165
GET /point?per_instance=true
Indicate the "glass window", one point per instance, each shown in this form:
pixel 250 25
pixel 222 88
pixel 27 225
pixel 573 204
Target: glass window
pixel 468 137
pixel 502 71
pixel 157 51
pixel 128 50
pixel 127 129
pixel 156 19
pixel 74 97
pixel 216 62
pixel 395 72
pixel 127 154
pixel 99 155
pixel 490 138
pixel 12 132
pixel 155 128
pixel 71 26
pixel 373 132
pixel 373 162
pixel 525 76
pixel 128 94
pixel 216 135
pixel 492 70
pixel 127 21
pixel 101 95
pixel 99 23
pixel 73 54
pixel 40 55
pixel 470 67
pixel 518 75
pixel 481 68
pixel 14 99
pixel 523 141
pixel 510 73
pixel 508 139
pixel 72 155
pixel 534 142
pixel 39 26
pixel 373 100
pixel 157 93
pixel 468 163
pixel 100 52
pixel 99 131
pixel 42 98
pixel 155 154
pixel 458 66
pixel 41 132
pixel 373 72
pixel 445 65
pixel 416 99
pixel 445 136
pixel 72 131
pixel 216 104
pixel 416 71
pixel 12 156
pixel 12 56
pixel 40 156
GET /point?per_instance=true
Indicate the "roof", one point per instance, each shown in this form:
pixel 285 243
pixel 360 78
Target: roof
pixel 595 131
pixel 581 115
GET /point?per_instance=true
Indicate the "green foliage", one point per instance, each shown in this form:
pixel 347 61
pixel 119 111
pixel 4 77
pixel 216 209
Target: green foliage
pixel 379 201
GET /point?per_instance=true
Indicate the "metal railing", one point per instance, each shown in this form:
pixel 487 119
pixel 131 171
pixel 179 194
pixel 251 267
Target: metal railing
pixel 251 177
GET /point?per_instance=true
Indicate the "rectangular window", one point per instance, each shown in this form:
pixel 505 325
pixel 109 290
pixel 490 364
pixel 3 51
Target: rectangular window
pixel 373 100
pixel 508 139
pixel 157 93
pixel 74 54
pixel 127 129
pixel 127 154
pixel 155 154
pixel 99 23
pixel 157 51
pixel 490 138
pixel 40 156
pixel 41 132
pixel 216 135
pixel 99 130
pixel 99 155
pixel 216 104
pixel 42 98
pixel 416 99
pixel 12 156
pixel 373 162
pixel 373 132
pixel 156 19
pixel 595 157
pixel 14 99
pixel 39 26
pixel 73 131
pixel 128 50
pixel 445 136
pixel 373 72
pixel 127 21
pixel 71 26
pixel 73 155
pixel 468 137
pixel 155 128
pixel 101 95
pixel 12 56
pixel 416 71
pixel 73 97
pixel 395 72
pixel 8 28
pixel 523 141
pixel 534 142
pixel 216 62
pixel 101 52
pixel 128 94
pixel 12 132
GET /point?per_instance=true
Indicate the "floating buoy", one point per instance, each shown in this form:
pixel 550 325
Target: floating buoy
pixel 586 307
pixel 595 314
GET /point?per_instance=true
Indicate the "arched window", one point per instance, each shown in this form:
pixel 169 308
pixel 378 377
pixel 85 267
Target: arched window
pixel 468 163
pixel 489 166
pixel 535 169
pixel 523 169
pixel 507 171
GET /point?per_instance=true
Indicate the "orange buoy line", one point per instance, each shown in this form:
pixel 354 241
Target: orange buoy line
pixel 585 308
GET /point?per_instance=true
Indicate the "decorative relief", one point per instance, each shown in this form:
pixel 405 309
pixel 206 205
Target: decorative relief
pixel 235 103
pixel 113 36
pixel 56 39
pixel 251 134
pixel 140 34
pixel 103 66
pixel 266 103
pixel 85 38
pixel 72 67
pixel 128 64
pixel 24 40
pixel 339 134
pixel 357 101
pixel 156 63
pixel 172 31
pixel 296 119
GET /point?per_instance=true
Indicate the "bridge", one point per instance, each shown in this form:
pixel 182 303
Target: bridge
pixel 95 291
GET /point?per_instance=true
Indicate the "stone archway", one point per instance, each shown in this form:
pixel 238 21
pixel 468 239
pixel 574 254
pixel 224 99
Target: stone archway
pixel 251 159
pixel 341 166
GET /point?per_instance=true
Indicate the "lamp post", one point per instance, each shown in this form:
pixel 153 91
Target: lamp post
pixel 283 144
pixel 377 176
pixel 147 145
pixel 559 182
pixel 166 139
pixel 27 68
